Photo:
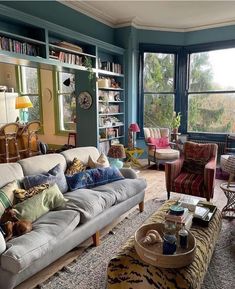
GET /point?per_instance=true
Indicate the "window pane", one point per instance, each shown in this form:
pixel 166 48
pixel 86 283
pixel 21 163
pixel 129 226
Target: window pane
pixel 34 112
pixel 68 112
pixel 29 80
pixel 158 110
pixel 213 70
pixel 212 113
pixel 68 79
pixel 158 72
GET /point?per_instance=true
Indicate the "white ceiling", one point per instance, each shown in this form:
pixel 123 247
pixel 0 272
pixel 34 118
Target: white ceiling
pixel 159 15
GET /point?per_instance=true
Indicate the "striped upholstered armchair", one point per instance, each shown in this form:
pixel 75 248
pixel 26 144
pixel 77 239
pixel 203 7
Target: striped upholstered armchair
pixel 194 173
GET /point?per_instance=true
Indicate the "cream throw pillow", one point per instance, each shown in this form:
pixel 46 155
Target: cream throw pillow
pixel 101 162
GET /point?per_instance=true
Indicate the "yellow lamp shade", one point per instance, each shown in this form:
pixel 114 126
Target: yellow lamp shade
pixel 23 102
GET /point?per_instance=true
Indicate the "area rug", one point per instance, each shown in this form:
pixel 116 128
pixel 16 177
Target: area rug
pixel 89 270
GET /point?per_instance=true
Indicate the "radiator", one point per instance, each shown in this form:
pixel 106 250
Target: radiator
pixel 221 145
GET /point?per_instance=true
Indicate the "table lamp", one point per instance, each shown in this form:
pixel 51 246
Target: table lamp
pixel 229 167
pixel 23 102
pixel 117 152
pixel 134 128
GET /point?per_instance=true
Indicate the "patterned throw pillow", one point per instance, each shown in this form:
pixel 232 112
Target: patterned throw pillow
pixel 54 175
pixel 7 196
pixel 75 167
pixel 22 195
pixel 101 162
pixel 93 177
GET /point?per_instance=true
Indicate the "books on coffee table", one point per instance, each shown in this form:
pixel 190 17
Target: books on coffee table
pixel 184 219
pixel 189 202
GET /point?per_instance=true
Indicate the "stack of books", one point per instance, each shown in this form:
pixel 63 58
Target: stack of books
pixel 184 219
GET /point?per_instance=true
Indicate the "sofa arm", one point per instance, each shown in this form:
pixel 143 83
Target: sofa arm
pixel 2 243
pixel 128 173
pixel 209 177
pixel 172 170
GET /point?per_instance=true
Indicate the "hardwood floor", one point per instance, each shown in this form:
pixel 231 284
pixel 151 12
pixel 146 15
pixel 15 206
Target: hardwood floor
pixel 155 189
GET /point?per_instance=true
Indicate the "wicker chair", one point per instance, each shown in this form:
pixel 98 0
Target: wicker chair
pixel 8 137
pixel 29 138
pixel 194 173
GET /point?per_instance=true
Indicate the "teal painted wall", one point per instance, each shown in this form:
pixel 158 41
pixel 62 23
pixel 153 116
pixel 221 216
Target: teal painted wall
pixel 60 14
pixel 210 35
pixel 160 37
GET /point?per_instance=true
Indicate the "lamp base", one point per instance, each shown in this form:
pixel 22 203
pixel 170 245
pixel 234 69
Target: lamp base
pixel 116 163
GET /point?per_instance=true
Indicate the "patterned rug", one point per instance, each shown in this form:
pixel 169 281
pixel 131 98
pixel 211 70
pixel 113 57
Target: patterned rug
pixel 89 270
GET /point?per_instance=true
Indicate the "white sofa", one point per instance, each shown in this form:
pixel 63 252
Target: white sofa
pixel 57 232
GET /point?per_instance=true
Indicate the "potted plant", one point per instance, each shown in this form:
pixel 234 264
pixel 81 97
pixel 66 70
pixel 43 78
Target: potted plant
pixel 175 123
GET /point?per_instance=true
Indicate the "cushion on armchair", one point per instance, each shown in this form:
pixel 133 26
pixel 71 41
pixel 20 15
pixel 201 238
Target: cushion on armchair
pixel 162 142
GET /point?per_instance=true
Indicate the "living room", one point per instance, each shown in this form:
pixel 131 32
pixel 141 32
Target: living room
pixel 87 73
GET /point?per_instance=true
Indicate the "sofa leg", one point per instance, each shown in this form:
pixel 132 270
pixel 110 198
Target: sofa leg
pixel 96 239
pixel 168 195
pixel 141 206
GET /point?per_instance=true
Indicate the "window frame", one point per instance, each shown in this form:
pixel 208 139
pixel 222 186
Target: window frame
pixel 19 83
pixel 165 49
pixel 182 82
pixel 200 48
pixel 57 93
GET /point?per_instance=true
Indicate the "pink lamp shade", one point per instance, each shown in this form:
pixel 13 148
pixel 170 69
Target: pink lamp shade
pixel 134 127
pixel 117 151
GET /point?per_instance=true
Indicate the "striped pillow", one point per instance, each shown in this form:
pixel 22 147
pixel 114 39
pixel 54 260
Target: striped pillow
pixel 7 196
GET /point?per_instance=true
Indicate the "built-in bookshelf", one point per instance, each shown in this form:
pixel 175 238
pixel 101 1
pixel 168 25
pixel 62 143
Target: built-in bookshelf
pixel 111 109
pixel 29 42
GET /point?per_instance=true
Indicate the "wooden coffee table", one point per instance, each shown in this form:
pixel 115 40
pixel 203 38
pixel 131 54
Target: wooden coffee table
pixel 126 270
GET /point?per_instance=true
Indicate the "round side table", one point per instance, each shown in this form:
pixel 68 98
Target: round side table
pixel 229 209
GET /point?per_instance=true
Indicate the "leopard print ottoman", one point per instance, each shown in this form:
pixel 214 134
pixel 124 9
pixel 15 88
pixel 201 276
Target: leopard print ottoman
pixel 127 271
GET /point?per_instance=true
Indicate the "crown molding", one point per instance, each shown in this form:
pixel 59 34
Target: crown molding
pixel 90 11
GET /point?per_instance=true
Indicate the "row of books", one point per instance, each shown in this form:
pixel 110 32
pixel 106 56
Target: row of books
pixel 16 46
pixel 67 57
pixel 110 66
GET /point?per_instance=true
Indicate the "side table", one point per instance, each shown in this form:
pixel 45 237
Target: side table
pixel 133 155
pixel 229 191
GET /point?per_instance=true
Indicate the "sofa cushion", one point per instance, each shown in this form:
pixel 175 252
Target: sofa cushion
pixel 93 177
pixel 54 175
pixel 33 208
pixel 10 172
pixel 48 230
pixel 82 153
pixel 89 202
pixel 123 189
pixel 101 162
pixel 2 243
pixel 189 184
pixel 76 166
pixel 42 163
pixel 21 195
pixel 7 196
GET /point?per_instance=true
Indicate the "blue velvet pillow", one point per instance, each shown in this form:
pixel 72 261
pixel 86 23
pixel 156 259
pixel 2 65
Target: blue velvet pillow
pixel 53 176
pixel 93 177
